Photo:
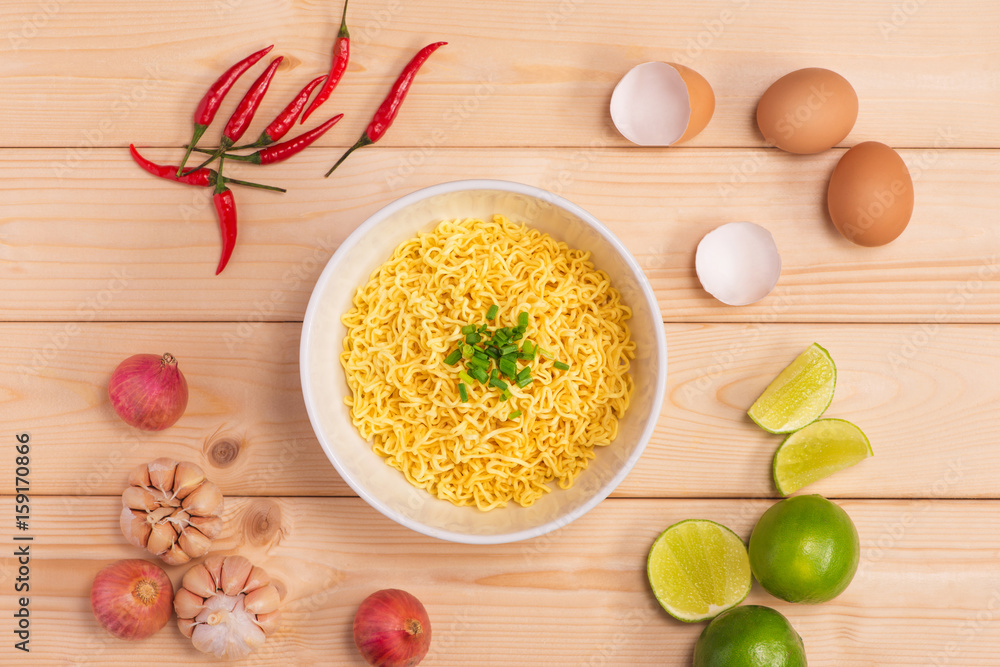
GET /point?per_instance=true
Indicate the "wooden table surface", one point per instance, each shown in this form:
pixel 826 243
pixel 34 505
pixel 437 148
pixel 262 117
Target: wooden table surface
pixel 100 261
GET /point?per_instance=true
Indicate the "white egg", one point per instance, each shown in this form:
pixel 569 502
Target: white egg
pixel 738 263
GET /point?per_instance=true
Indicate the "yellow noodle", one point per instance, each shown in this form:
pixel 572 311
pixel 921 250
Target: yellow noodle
pixel 404 398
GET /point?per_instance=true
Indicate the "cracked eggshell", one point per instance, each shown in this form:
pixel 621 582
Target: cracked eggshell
pixel 660 104
pixel 738 263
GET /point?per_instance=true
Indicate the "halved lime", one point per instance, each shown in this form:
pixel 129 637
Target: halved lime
pixel 817 451
pixel 698 569
pixel 799 395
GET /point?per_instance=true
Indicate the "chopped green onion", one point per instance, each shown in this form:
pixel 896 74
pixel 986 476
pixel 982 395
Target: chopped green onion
pixel 479 363
pixel 494 374
pixel 493 351
pixel 453 357
pixel 480 354
pixel 546 354
pixel 522 319
pixel 518 335
pixel 514 415
pixel 525 357
pixel 463 394
pixel 491 314
pixel 505 395
pixel 484 327
pixel 561 366
pixel 525 372
pixel 500 337
pixel 524 382
pixel 467 350
pixel 479 374
pixel 508 367
pixel 472 338
pixel 508 349
pixel 468 328
pixel 498 383
pixel 528 347
pixel 464 377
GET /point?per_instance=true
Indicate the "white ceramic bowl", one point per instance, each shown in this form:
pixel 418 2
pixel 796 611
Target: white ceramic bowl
pixel 324 385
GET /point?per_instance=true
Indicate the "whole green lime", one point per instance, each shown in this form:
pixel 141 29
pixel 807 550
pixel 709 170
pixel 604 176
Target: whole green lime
pixel 804 549
pixel 749 636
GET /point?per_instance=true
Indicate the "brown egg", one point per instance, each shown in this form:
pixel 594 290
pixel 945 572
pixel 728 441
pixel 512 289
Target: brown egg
pixel 807 111
pixel 870 195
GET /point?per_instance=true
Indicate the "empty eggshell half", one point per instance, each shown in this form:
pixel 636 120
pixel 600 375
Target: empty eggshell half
pixel 738 263
pixel 659 104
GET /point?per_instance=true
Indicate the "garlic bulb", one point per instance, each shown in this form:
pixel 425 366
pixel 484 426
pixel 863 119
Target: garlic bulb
pixel 171 510
pixel 227 606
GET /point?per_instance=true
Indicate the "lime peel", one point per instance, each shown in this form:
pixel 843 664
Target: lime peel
pixel 698 569
pixel 816 451
pixel 799 395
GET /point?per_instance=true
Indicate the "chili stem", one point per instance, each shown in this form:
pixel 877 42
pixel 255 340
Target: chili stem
pixel 251 184
pixel 199 130
pixel 363 141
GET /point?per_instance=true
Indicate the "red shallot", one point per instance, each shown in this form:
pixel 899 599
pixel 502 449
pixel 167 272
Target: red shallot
pixel 391 629
pixel 132 599
pixel 148 392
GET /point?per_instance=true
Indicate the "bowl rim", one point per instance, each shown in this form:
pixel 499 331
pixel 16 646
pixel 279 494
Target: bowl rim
pixel 456 186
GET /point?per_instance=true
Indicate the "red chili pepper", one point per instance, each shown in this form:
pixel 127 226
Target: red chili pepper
pixel 245 110
pixel 210 103
pixel 283 123
pixel 202 177
pixel 287 149
pixel 341 54
pixel 390 106
pixel 225 209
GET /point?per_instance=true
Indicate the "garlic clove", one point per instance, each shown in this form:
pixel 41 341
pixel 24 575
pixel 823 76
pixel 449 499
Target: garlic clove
pixel 236 638
pixel 258 579
pixel 187 604
pixel 139 476
pixel 269 622
pixel 199 580
pixel 134 527
pixel 161 538
pixel 211 526
pixel 161 474
pixel 186 626
pixel 262 601
pixel 235 571
pixel 187 477
pixel 138 498
pixel 206 500
pixel 194 543
pixel 214 566
pixel 175 555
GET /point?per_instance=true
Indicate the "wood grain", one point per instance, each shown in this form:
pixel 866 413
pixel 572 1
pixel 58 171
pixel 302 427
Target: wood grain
pixel 525 73
pixel 575 597
pixel 926 397
pixel 113 243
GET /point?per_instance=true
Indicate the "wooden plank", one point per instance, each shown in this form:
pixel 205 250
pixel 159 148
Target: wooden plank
pixel 525 73
pixel 927 589
pixel 112 243
pixel 925 395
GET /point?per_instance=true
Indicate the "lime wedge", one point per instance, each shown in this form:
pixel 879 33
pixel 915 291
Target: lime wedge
pixel 698 569
pixel 818 451
pixel 799 395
